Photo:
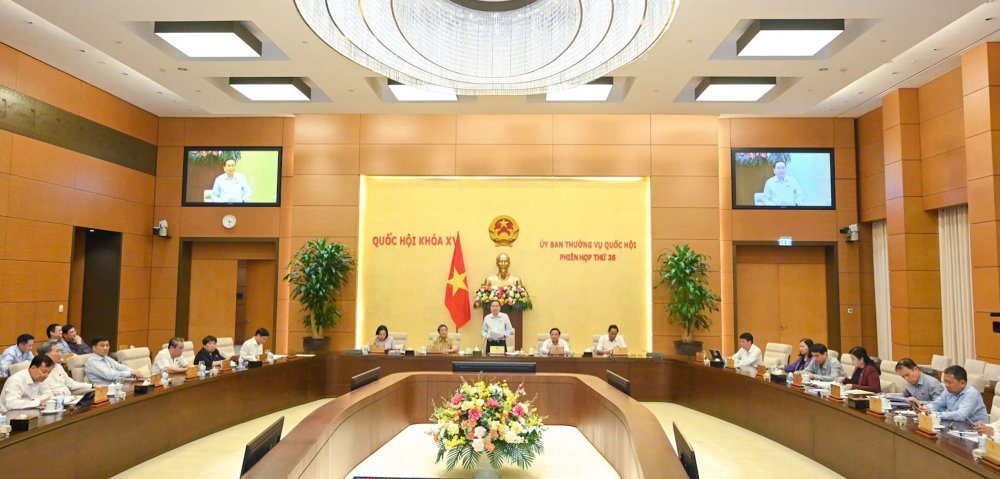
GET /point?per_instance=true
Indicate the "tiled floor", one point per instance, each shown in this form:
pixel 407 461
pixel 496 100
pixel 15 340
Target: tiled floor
pixel 723 450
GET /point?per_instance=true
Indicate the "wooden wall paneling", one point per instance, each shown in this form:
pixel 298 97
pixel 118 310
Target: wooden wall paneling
pixel 259 295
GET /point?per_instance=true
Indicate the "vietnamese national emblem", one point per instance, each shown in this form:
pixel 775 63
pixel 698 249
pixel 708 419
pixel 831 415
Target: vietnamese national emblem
pixel 503 230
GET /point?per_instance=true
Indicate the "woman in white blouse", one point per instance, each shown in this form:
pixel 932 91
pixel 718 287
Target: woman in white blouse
pixel 382 338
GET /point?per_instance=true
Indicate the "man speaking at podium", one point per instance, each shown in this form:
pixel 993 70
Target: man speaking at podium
pixel 496 327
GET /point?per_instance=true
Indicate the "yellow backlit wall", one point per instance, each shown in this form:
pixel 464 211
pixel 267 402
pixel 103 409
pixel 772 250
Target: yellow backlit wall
pixel 403 285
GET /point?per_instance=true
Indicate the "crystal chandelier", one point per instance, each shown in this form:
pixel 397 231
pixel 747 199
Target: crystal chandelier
pixel 490 47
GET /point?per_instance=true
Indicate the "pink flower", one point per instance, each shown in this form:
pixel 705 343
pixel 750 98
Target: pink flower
pixel 492 403
pixel 457 398
pixel 518 410
pixel 475 414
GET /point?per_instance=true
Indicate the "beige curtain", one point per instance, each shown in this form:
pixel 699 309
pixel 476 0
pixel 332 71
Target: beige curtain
pixel 957 319
pixel 883 310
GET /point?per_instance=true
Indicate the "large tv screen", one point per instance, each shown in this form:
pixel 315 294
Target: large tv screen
pixel 249 176
pixel 783 178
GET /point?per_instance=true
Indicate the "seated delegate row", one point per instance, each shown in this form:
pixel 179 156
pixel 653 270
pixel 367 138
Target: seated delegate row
pixel 45 378
pixel 444 343
pixel 20 351
pixel 956 400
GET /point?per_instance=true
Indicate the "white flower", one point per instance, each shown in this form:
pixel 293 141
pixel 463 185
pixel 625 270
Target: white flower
pixel 516 428
pixel 452 429
pixel 479 431
pixel 511 438
pixel 480 402
pixel 477 445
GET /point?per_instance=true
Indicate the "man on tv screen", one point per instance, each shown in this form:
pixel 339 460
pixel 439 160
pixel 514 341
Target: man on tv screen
pixel 781 189
pixel 231 187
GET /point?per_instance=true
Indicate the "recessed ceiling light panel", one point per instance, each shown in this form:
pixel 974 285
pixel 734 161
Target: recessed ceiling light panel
pixel 733 89
pixel 272 88
pixel 597 90
pixel 788 38
pixel 210 39
pixel 408 93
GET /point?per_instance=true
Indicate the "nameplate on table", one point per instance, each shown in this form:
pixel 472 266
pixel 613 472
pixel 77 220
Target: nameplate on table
pixel 836 391
pixel 376 349
pixel 100 394
pixel 497 350
pixel 157 381
pixel 992 451
pixel 925 425
pixel 761 370
pixel 731 363
pixel 557 351
pixel 619 351
pixel 192 373
pixel 875 407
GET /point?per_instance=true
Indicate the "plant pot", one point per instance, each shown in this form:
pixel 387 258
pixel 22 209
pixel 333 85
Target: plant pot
pixel 688 349
pixel 483 470
pixel 316 345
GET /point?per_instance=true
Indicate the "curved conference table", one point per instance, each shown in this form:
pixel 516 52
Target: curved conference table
pixel 107 439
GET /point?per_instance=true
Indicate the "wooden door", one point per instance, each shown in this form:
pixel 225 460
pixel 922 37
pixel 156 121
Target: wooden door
pixel 213 299
pixel 802 303
pixel 757 300
pixel 781 293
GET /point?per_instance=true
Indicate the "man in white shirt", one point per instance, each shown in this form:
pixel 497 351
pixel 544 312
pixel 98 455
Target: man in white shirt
pixel 101 369
pixel 25 390
pixel 254 347
pixel 231 187
pixel 496 327
pixel 555 340
pixel 781 189
pixel 749 355
pixel 608 342
pixel 170 358
pixel 59 382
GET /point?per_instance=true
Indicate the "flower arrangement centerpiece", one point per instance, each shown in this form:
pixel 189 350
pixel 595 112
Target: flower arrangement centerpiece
pixel 487 418
pixel 510 298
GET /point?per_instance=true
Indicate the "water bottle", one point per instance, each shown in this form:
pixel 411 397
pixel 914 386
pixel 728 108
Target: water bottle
pixel 241 364
pixel 164 377
pixel 201 370
pixel 4 372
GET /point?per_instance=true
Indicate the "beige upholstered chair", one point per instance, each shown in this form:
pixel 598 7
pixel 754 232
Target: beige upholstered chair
pixel 138 359
pixel 776 354
pixel 188 353
pixel 456 337
pixel 898 384
pixel 18 367
pixel 978 381
pixel 76 364
pixel 833 354
pixel 995 412
pixel 940 363
pixel 992 372
pixel 399 340
pixel 226 347
pixel 542 337
pixel 975 366
pixel 595 338
pixel 848 370
pixel 888 366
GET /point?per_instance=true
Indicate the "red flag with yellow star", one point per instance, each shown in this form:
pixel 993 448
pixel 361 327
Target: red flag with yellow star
pixel 456 291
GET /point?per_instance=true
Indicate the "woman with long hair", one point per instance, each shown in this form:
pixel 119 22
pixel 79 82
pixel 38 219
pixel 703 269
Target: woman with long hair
pixel 805 357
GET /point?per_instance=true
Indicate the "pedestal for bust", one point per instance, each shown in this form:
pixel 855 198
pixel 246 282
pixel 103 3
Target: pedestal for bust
pixel 517 322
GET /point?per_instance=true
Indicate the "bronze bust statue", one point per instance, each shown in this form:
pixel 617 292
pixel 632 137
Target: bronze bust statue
pixel 503 276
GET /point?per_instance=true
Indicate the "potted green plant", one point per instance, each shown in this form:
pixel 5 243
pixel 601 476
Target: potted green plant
pixel 316 274
pixel 685 272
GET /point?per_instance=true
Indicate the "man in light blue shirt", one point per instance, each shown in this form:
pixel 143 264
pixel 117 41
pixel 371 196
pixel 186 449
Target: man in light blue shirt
pixel 101 369
pixel 781 189
pixel 19 352
pixel 823 367
pixel 496 327
pixel 55 333
pixel 231 187
pixel 959 401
